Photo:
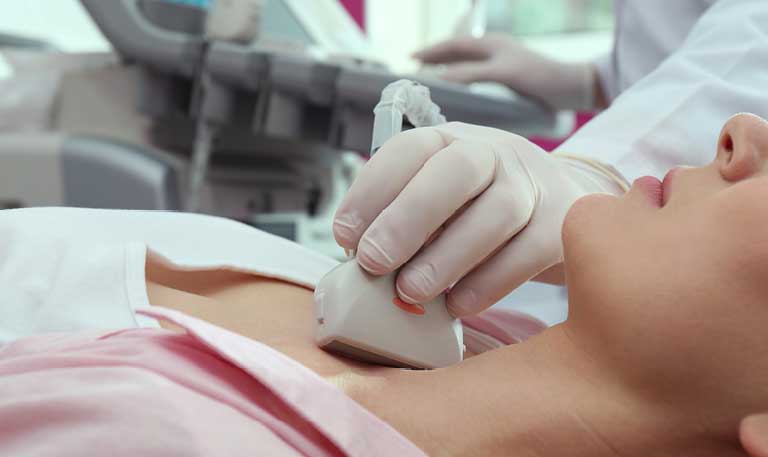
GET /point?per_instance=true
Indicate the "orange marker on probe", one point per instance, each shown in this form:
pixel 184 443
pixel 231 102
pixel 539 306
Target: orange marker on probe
pixel 413 308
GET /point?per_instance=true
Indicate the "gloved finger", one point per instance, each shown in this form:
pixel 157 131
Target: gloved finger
pixel 448 222
pixel 434 235
pixel 445 183
pixel 455 50
pixel 754 435
pixel 469 72
pixel 493 219
pixel 381 180
pixel 527 254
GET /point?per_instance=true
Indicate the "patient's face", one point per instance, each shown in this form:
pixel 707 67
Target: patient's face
pixel 670 288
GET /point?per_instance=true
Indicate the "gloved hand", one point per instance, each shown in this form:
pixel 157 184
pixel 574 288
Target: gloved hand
pixel 754 435
pixel 464 204
pixel 501 59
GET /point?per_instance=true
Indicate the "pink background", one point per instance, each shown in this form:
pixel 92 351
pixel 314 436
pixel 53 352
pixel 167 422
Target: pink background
pixel 356 9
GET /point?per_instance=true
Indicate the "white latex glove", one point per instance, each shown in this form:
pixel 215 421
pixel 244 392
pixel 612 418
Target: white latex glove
pixel 461 204
pixel 498 58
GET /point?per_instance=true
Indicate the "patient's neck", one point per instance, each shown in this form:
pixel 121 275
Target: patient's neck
pixel 539 398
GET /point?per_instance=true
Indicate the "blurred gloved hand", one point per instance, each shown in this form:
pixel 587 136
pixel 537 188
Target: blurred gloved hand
pixel 754 435
pixel 461 204
pixel 501 59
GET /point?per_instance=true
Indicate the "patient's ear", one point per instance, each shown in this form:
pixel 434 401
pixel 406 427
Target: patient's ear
pixel 742 149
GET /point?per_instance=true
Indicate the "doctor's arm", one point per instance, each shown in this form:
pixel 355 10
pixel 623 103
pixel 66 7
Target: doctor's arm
pixel 502 59
pixel 673 116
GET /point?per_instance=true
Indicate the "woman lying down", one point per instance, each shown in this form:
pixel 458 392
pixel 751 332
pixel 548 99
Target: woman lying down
pixel 140 334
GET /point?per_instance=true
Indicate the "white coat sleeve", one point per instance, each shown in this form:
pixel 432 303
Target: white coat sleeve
pixel 674 115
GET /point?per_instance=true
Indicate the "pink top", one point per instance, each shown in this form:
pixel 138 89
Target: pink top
pixel 506 326
pixel 148 392
pixel 151 392
pixel 207 392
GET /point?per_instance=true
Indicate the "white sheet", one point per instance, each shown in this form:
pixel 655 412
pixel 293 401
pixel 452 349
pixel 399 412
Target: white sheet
pixel 67 269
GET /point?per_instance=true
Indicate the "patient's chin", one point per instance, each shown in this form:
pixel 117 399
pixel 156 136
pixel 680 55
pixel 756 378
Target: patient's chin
pixel 585 211
pixel 586 228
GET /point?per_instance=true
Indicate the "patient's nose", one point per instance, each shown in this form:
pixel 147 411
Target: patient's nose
pixel 742 149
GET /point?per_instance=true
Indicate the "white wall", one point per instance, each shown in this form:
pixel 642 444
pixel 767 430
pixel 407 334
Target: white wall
pixel 396 28
pixel 62 22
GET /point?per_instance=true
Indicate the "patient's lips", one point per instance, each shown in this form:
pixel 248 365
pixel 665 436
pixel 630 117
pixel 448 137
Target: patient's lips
pixel 667 184
pixel 652 188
